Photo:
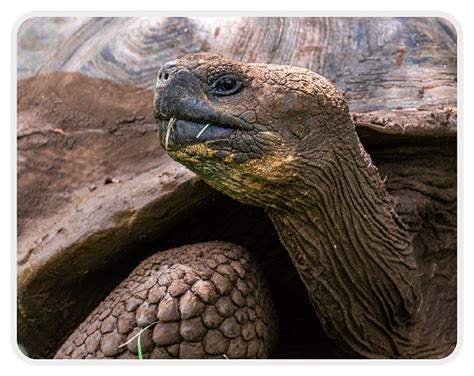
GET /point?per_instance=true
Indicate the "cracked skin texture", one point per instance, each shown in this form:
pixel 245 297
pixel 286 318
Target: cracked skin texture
pixel 282 138
pixel 207 300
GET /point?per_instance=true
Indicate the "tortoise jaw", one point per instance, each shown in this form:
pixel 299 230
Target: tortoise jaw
pixel 176 133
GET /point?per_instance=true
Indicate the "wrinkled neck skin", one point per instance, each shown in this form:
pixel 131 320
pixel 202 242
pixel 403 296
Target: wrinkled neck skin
pixel 352 252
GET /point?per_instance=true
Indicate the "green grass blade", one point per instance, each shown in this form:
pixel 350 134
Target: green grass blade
pixel 23 349
pixel 139 346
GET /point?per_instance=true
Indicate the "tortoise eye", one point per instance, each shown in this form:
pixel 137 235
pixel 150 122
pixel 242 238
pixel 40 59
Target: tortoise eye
pixel 226 85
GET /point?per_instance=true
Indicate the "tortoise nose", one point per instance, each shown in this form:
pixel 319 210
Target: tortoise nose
pixel 166 73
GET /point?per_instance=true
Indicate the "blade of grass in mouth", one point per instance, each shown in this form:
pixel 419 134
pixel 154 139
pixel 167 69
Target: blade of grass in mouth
pixel 202 130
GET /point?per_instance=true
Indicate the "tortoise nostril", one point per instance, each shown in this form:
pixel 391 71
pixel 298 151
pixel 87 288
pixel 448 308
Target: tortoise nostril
pixel 166 73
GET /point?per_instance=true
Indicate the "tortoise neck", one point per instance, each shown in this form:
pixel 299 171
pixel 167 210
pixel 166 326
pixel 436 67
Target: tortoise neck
pixel 351 251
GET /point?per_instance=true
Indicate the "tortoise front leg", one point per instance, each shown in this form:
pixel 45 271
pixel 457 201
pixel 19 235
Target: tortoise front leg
pixel 206 300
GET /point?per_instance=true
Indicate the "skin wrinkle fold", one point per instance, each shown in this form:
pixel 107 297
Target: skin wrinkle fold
pixel 341 306
pixel 363 228
pixel 302 161
pixel 360 343
pixel 349 196
pixel 369 199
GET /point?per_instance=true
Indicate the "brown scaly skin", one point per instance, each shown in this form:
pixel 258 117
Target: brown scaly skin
pixel 206 300
pixel 282 138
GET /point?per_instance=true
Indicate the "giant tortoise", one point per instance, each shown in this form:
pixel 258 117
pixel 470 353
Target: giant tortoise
pixel 369 226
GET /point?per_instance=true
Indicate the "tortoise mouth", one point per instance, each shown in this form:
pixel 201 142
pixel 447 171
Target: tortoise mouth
pixel 177 133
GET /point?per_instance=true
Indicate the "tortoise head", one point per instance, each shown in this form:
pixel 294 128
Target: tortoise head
pixel 245 128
